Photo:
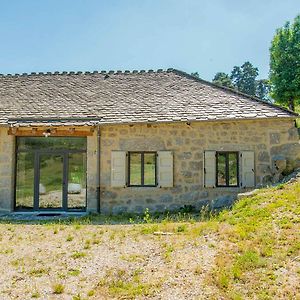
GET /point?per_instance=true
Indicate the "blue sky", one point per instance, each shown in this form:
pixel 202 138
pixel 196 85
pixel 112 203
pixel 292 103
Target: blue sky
pixel 192 35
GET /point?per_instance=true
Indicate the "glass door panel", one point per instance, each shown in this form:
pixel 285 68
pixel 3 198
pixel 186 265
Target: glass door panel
pixel 51 170
pixel 77 181
pixel 25 180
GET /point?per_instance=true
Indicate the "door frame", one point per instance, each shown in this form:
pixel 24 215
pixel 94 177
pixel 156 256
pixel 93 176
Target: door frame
pixel 65 155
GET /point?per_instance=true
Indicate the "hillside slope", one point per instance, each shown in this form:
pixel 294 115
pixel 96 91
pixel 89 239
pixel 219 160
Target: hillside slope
pixel 259 246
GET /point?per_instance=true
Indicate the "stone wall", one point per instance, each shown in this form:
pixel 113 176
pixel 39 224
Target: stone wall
pixel 267 138
pixel 7 165
pixel 92 173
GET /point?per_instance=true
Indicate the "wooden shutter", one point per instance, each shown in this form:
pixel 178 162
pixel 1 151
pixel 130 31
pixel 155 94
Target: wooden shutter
pixel 209 168
pixel 247 166
pixel 118 168
pixel 165 168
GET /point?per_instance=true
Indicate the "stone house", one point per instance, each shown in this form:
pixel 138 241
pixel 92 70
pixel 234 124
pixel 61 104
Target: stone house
pixel 126 141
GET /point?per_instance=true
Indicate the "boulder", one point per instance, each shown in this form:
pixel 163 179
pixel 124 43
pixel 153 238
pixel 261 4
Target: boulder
pixel 74 188
pixel 42 189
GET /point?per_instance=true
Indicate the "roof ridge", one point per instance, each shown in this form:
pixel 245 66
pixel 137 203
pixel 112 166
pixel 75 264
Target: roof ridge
pixel 182 73
pixel 142 71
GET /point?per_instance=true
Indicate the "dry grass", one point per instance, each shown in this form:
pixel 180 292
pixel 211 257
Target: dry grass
pixel 250 252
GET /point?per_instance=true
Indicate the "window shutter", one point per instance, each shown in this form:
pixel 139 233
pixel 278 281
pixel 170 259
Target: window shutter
pixel 209 168
pixel 165 168
pixel 118 168
pixel 248 178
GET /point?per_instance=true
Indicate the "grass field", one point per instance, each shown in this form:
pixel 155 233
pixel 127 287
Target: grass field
pixel 249 252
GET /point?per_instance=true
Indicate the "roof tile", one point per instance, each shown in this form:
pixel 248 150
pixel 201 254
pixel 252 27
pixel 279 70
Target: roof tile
pixel 123 97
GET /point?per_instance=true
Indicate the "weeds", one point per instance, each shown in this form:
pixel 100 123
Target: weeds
pixel 58 288
pixel 78 254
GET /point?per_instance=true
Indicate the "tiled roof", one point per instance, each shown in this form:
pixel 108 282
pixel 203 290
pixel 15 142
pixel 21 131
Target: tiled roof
pixel 123 97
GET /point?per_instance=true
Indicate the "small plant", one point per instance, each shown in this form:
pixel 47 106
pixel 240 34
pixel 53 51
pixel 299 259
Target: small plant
pixel 38 272
pixel 35 295
pixel 91 293
pixel 168 252
pixel 69 238
pixel 74 272
pixel 96 241
pixel 181 228
pixel 78 254
pixel 198 270
pixel 87 244
pixel 147 217
pixel 280 186
pixel 58 288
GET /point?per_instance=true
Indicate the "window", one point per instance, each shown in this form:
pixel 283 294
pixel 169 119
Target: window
pixel 142 168
pixel 227 169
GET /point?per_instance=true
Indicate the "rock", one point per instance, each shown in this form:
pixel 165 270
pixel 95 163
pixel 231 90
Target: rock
pixel 174 207
pixel 119 209
pixel 74 188
pixel 274 138
pixel 176 189
pixel 42 189
pixel 166 198
pixel 187 174
pixel 247 194
pixel 195 165
pixel 267 180
pixel 293 133
pixel 185 155
pixel 162 233
pixel 263 156
pixel 109 195
pixel 291 177
pixel 150 201
pixel 291 152
pixel 202 204
pixel 222 202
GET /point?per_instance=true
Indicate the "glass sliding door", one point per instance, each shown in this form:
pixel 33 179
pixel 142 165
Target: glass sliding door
pixel 51 173
pixel 50 187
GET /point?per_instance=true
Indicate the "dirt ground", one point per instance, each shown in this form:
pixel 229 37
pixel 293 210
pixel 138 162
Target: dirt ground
pixel 92 262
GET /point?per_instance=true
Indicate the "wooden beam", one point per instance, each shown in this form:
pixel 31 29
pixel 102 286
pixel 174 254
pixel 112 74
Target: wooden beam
pixel 54 132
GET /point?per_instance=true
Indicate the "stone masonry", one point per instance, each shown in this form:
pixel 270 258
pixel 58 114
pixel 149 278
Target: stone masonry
pixel 267 138
pixel 270 139
pixel 7 166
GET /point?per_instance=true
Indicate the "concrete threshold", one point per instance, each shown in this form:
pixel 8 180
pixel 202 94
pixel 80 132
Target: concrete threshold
pixel 41 215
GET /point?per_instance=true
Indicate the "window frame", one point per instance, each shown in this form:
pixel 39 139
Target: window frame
pixel 142 153
pixel 227 168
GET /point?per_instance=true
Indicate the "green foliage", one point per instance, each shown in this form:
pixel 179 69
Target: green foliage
pixel 195 74
pixel 263 89
pixel 147 217
pixel 244 78
pixel 223 79
pixel 78 254
pixel 285 64
pixel 58 288
pixel 127 285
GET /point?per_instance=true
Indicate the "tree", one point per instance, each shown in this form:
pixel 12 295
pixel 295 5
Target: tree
pixel 263 89
pixel 195 74
pixel 285 64
pixel 223 79
pixel 244 78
